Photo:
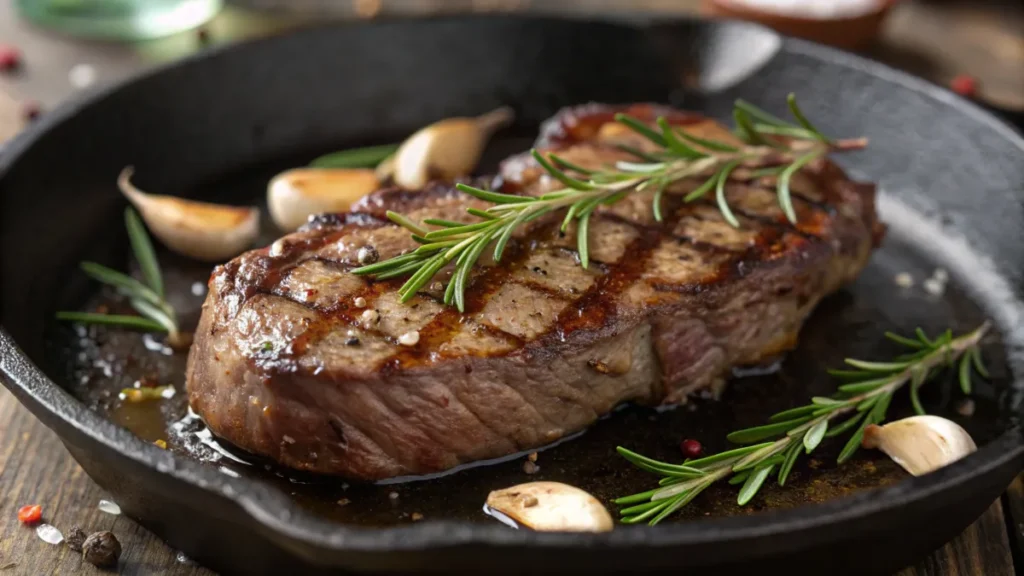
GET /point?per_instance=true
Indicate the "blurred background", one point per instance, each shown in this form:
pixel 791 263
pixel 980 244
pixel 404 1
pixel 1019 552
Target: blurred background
pixel 50 50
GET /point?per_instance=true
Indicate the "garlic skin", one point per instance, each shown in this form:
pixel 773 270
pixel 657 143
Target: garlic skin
pixel 200 230
pixel 444 149
pixel 295 195
pixel 551 507
pixel 920 444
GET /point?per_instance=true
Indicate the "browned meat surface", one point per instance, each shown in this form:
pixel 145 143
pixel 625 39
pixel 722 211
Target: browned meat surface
pixel 297 359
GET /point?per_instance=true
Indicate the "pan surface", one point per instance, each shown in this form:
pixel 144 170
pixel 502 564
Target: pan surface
pixel 218 125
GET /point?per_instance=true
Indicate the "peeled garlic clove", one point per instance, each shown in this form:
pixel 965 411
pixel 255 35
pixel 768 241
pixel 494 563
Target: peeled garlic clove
pixel 920 444
pixel 446 149
pixel 295 195
pixel 200 230
pixel 551 507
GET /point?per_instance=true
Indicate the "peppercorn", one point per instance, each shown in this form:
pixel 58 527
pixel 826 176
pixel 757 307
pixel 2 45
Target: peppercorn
pixel 964 85
pixel 10 58
pixel 101 549
pixel 30 514
pixel 75 539
pixel 691 448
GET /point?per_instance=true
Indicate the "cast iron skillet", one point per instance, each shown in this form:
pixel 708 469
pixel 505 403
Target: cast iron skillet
pixel 951 177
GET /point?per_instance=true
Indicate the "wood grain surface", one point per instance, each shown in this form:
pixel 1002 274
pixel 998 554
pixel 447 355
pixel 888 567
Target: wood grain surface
pixel 936 40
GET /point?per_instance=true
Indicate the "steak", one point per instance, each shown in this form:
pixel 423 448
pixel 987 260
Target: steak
pixel 299 360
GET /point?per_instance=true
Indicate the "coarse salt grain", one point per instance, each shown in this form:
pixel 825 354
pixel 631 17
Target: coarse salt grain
pixel 904 280
pixel 934 287
pixel 409 338
pixel 940 274
pixel 359 302
pixel 82 76
pixel 49 534
pixel 109 507
pixel 370 316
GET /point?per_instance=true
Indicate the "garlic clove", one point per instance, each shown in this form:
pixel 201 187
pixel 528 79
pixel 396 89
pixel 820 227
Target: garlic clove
pixel 386 169
pixel 295 195
pixel 446 149
pixel 200 230
pixel 920 444
pixel 551 507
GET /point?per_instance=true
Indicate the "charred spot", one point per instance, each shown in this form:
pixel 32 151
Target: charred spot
pixel 352 341
pixel 783 290
pixel 338 431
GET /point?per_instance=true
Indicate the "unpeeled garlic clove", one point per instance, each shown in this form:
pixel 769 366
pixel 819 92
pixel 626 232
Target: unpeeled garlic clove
pixel 295 195
pixel 446 149
pixel 920 444
pixel 551 507
pixel 200 230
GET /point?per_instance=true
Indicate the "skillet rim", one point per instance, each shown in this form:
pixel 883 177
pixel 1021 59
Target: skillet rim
pixel 273 511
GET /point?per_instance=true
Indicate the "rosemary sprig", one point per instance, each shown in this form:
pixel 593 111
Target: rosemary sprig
pixel 768 141
pixel 772 449
pixel 147 298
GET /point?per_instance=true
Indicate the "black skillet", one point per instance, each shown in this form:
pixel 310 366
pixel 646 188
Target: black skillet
pixel 952 178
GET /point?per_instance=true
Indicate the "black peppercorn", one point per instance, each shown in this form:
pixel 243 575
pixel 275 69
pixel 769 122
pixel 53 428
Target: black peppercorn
pixel 101 549
pixel 75 538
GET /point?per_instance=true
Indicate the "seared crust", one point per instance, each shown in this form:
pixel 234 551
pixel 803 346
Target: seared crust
pixel 286 365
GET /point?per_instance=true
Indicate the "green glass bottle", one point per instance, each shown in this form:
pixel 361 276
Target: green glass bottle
pixel 123 20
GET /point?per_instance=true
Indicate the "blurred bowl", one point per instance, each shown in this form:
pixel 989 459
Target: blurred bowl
pixel 848 32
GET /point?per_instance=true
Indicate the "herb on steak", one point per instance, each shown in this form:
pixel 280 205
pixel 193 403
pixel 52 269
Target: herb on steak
pixel 147 298
pixel 772 146
pixel 864 397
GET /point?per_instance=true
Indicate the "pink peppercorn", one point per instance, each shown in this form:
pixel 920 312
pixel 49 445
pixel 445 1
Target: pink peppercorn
pixel 10 58
pixel 691 448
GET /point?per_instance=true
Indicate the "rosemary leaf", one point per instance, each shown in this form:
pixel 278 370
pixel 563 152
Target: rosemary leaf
pixel 143 250
pixel 638 153
pixel 965 374
pixel 560 175
pixel 641 128
pixel 112 319
pixel 979 363
pixel 753 484
pixel 709 144
pixel 727 455
pixel 757 433
pixel 702 189
pixel 406 223
pixel 799 115
pixel 739 478
pixel 787 465
pixel 795 412
pixel 846 425
pixel 582 240
pixel 723 205
pixel 366 157
pixel 785 200
pixel 563 163
pixel 125 284
pixel 759 114
pixel 674 143
pixel 495 197
pixel 876 366
pixel 815 435
pixel 909 342
pixel 657 201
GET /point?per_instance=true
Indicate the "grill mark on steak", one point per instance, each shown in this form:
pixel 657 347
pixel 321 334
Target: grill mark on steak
pixel 665 308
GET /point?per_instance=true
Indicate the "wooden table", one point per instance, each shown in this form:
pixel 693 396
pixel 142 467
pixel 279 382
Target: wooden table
pixel 935 41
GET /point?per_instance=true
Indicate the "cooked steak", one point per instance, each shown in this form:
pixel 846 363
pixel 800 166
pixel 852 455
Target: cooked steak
pixel 300 360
